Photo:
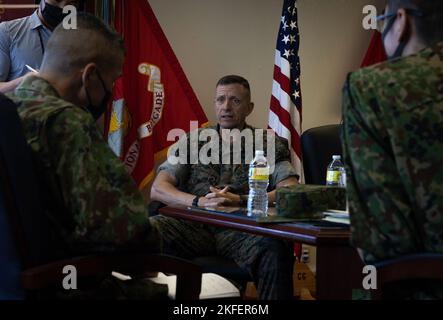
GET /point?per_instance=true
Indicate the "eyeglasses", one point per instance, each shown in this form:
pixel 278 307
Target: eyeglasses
pixel 383 19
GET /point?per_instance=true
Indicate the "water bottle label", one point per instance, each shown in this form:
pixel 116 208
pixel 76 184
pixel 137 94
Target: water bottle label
pixel 333 176
pixel 259 173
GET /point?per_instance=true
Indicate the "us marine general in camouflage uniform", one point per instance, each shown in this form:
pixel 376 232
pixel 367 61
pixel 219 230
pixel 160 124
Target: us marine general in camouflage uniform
pixel 270 261
pixel 393 138
pixel 98 207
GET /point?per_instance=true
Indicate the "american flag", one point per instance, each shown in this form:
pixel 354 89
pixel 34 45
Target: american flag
pixel 285 114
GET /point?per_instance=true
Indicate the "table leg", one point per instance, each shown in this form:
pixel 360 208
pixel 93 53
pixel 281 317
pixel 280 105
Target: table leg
pixel 338 272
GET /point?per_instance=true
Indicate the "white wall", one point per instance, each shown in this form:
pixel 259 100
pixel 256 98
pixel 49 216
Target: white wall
pixel 213 38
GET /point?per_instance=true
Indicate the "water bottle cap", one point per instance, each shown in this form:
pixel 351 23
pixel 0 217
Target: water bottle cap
pixel 259 153
pixel 336 157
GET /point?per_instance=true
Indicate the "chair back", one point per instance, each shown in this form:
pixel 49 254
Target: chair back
pixel 318 146
pixel 10 288
pixel 24 227
pixel 408 269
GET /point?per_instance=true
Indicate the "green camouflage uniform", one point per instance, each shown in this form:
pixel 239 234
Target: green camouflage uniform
pixel 393 148
pixel 96 205
pixel 268 260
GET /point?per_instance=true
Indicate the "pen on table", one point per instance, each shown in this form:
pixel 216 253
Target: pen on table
pixel 31 69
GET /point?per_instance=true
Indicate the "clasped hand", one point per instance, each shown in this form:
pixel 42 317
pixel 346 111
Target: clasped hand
pixel 218 197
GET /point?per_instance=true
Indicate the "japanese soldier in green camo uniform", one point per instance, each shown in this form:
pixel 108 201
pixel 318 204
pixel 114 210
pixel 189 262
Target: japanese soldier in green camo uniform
pixel 98 206
pixel 269 260
pixel 393 140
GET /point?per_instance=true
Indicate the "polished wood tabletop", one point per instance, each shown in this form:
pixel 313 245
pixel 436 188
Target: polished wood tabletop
pixel 338 265
pixel 313 232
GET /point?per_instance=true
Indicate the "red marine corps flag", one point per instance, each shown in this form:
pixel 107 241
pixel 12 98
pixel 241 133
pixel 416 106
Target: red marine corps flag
pixel 152 97
pixel 376 52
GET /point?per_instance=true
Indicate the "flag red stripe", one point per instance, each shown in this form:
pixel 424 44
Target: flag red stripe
pixel 282 79
pixel 286 90
pixel 285 119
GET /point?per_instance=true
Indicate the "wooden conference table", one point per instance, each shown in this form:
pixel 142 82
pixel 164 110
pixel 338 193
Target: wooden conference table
pixel 338 266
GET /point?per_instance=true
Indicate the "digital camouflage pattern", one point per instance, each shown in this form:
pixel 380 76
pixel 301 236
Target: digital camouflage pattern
pixel 197 178
pixel 96 206
pixel 393 148
pixel 268 260
pixel 304 201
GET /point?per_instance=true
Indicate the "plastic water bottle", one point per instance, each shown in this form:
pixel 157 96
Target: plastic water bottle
pixel 258 186
pixel 336 174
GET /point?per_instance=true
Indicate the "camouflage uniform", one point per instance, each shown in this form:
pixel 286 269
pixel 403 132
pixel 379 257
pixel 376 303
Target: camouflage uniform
pixel 96 205
pixel 393 147
pixel 269 260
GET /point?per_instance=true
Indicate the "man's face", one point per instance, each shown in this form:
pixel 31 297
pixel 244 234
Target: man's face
pixel 232 105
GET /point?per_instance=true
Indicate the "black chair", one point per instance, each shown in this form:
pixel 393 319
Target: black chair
pixel 408 270
pixel 10 286
pixel 27 249
pixel 318 146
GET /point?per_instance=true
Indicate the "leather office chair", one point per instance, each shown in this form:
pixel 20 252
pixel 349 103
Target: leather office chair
pixel 27 250
pixel 10 287
pixel 408 270
pixel 318 146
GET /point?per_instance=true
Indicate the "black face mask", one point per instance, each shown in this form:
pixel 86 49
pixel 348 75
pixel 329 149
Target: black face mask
pixel 52 15
pixel 98 111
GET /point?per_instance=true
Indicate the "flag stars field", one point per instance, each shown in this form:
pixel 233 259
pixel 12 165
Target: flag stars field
pixel 285 25
pixel 286 39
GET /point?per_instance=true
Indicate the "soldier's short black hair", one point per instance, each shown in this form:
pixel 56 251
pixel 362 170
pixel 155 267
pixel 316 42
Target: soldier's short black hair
pixel 429 26
pixel 233 79
pixel 87 21
pixel 92 41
